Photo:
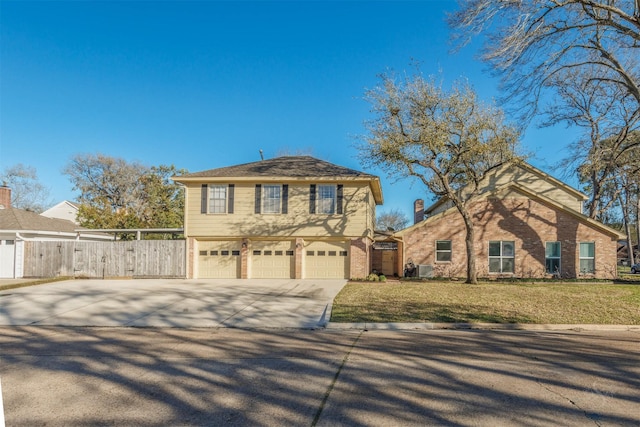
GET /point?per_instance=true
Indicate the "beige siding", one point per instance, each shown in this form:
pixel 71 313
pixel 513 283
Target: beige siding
pixel 533 182
pixel 356 220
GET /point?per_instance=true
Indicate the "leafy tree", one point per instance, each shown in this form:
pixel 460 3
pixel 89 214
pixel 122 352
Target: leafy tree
pixel 530 42
pixel 115 193
pixel 448 140
pixel 26 190
pixel 392 220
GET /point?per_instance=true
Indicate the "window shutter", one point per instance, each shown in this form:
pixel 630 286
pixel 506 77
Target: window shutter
pixel 258 197
pixel 203 199
pixel 312 199
pixel 285 198
pixel 231 191
pixel 339 201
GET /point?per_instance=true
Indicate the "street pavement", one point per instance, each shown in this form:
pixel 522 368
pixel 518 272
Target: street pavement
pixel 120 376
pixel 256 353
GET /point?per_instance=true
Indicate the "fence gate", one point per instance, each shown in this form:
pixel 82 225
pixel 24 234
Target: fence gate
pixel 138 258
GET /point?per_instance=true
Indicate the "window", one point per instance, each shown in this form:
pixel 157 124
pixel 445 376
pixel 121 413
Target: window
pixel 587 257
pixel 326 199
pixel 443 250
pixel 552 257
pixel 271 199
pixel 217 199
pixel 501 257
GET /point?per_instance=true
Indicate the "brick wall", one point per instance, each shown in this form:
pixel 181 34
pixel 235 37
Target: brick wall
pixel 530 224
pixel 360 261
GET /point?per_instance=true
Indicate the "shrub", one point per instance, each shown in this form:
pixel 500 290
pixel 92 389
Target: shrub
pixel 382 278
pixel 373 277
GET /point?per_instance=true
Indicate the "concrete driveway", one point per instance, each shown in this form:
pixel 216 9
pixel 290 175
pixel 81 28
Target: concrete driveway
pixel 267 303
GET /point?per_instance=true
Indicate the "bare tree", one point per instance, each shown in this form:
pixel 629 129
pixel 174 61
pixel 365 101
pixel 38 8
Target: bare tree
pixel 26 190
pixel 392 220
pixel 448 140
pixel 608 116
pixel 529 43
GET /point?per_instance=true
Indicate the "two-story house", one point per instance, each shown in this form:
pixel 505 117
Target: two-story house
pixel 527 224
pixel 288 217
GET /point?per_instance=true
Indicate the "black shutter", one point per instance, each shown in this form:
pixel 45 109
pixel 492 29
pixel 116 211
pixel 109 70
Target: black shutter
pixel 312 199
pixel 203 199
pixel 285 198
pixel 258 197
pixel 231 191
pixel 339 201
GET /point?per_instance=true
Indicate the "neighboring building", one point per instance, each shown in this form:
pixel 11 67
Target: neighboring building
pixel 63 210
pixel 18 226
pixel 527 224
pixel 287 217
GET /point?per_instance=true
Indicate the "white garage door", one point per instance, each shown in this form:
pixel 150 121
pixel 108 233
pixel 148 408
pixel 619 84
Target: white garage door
pixel 327 260
pixel 218 260
pixel 7 257
pixel 272 260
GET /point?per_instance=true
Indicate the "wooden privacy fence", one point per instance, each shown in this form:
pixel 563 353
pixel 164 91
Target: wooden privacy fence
pixel 138 258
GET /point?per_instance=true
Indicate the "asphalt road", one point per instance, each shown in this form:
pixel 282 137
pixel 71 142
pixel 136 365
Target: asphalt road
pixel 78 376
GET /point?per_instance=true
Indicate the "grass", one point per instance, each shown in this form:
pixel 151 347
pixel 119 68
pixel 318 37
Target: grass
pixel 553 303
pixel 33 282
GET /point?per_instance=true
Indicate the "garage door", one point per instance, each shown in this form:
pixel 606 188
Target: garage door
pixel 219 260
pixel 327 260
pixel 272 260
pixel 7 257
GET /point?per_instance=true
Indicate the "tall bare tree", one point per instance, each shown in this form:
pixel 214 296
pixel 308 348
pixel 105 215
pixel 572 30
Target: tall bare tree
pixel 392 220
pixel 528 43
pixel 27 192
pixel 448 140
pixel 608 116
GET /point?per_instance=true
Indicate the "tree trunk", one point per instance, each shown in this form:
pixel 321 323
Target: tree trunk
pixel 472 274
pixel 638 220
pixel 627 228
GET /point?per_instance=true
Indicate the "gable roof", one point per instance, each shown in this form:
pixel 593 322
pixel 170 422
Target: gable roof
pixel 20 220
pixel 529 168
pixel 286 168
pixel 532 195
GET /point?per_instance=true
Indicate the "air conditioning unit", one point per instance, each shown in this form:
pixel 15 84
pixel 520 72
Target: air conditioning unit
pixel 425 271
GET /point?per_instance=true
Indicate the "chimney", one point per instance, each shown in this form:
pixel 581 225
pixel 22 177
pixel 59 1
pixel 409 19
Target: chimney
pixel 418 211
pixel 5 197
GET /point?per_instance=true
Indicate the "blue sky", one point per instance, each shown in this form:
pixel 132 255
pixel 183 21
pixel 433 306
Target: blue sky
pixel 207 84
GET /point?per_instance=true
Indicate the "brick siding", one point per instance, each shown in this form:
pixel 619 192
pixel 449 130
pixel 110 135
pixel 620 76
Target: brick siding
pixel 529 223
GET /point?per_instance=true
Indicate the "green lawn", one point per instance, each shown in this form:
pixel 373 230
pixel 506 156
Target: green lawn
pixel 555 303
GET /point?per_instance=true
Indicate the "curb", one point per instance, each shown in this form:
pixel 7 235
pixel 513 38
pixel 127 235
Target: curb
pixel 480 326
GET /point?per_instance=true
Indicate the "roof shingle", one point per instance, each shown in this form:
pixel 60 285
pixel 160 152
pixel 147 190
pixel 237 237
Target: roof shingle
pixel 287 166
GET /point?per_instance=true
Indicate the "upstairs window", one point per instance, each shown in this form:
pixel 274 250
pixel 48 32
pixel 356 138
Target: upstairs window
pixel 217 198
pixel 271 199
pixel 326 199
